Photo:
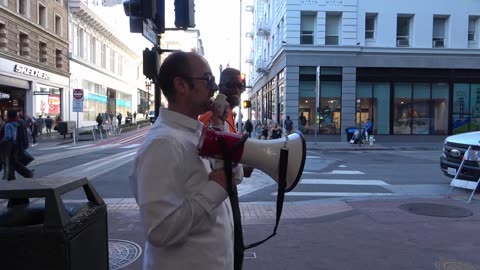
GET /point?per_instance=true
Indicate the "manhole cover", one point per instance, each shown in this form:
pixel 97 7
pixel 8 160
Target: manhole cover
pixel 122 253
pixel 436 210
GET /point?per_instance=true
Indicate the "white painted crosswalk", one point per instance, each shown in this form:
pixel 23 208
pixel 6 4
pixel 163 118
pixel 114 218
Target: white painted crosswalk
pixel 311 186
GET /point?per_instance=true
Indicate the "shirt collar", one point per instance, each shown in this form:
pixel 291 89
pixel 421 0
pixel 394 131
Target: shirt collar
pixel 169 116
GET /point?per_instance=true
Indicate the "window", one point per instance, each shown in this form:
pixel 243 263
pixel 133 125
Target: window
pixel 307 29
pixel 120 65
pixel 472 28
pixel 438 38
pixel 112 60
pixel 93 50
pixel 80 39
pixel 42 52
pixel 3 36
pixel 103 55
pixel 23 7
pixel 42 15
pixel 370 20
pixel 24 49
pixel 403 30
pixel 58 58
pixel 58 25
pixel 332 30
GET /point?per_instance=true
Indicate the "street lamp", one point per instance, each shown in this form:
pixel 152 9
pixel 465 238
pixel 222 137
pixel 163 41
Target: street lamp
pixel 221 68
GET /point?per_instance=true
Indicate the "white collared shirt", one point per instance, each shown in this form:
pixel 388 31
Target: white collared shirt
pixel 187 218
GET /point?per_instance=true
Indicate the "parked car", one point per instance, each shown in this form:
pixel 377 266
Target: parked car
pixel 151 116
pixel 454 148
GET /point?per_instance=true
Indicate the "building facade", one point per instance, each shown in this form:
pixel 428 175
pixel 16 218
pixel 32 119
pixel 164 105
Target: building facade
pixel 410 67
pixel 34 67
pixel 103 65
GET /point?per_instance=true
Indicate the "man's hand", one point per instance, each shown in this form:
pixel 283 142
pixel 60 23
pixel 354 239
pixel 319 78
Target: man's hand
pixel 247 171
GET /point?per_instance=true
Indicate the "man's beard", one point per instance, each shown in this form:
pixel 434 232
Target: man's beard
pixel 233 100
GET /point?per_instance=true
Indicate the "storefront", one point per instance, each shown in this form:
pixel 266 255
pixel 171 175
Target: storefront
pixel 31 90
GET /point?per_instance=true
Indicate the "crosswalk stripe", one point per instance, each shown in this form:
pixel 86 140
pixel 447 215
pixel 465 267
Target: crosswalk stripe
pixel 336 194
pixel 131 146
pixel 344 172
pixel 312 157
pixel 343 182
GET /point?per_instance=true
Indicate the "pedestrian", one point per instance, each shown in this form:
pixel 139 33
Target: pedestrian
pixel 34 131
pixel 14 143
pixel 302 122
pixel 182 202
pixel 249 127
pixel 258 130
pixel 49 124
pixel 40 122
pixel 135 117
pixel 368 128
pixel 119 118
pixel 99 120
pixel 288 124
pixel 276 132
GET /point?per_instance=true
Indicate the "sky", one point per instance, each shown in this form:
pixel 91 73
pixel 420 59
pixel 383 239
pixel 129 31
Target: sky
pixel 218 22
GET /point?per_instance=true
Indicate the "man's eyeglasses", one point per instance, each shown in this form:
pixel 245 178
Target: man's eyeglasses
pixel 210 80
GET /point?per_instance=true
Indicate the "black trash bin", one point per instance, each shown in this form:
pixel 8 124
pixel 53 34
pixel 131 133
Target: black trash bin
pixel 53 235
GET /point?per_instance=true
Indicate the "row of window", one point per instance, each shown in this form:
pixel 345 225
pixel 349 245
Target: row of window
pixel 23 8
pixel 403 32
pixel 97 52
pixel 25 46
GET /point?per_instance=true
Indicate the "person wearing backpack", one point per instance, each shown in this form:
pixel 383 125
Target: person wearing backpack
pixel 13 143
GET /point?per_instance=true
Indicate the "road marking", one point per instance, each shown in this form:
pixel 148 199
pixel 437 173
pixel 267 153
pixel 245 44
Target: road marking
pixel 131 146
pixel 336 194
pixel 342 166
pixel 344 172
pixel 54 147
pixel 343 182
pixel 312 157
pixel 80 146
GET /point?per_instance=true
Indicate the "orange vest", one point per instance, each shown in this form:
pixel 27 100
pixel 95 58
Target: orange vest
pixel 206 119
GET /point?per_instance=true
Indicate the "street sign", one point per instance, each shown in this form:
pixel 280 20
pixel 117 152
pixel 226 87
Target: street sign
pixel 77 101
pixel 149 31
pixel 78 93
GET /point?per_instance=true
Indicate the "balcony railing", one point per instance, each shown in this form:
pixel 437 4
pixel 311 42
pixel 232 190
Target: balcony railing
pixel 261 65
pixel 263 29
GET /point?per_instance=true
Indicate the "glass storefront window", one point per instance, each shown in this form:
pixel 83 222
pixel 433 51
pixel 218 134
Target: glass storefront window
pixel 461 108
pixel 47 101
pixel 440 108
pixel 329 107
pixel 421 119
pixel 402 105
pixel 381 108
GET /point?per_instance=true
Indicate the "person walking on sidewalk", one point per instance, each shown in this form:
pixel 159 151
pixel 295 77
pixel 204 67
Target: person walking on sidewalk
pixel 182 202
pixel 48 125
pixel 40 122
pixel 34 130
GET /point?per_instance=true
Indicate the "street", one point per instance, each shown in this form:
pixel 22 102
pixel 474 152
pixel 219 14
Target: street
pixel 345 212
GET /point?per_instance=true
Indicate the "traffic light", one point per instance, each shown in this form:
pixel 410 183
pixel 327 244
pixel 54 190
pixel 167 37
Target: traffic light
pixel 243 77
pixel 247 104
pixel 151 63
pixel 184 14
pixel 138 11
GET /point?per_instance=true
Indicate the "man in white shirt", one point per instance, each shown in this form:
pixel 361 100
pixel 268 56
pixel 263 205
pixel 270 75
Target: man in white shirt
pixel 183 206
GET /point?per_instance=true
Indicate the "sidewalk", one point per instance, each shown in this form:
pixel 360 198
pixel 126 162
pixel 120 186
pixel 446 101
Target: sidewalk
pixel 345 234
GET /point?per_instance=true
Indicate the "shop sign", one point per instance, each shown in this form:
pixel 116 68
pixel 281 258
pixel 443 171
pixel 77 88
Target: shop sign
pixel 4 95
pixel 32 72
pixel 42 92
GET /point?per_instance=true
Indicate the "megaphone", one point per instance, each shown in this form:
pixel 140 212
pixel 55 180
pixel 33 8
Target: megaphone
pixel 261 154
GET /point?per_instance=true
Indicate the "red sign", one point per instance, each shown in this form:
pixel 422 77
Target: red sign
pixel 78 93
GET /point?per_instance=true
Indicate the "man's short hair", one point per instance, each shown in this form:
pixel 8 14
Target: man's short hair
pixel 227 75
pixel 176 64
pixel 11 114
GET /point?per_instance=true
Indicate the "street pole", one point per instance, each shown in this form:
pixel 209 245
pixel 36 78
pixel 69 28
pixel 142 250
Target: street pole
pixel 317 101
pixel 240 116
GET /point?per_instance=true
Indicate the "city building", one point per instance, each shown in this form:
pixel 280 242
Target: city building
pixel 34 67
pixel 411 67
pixel 103 64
